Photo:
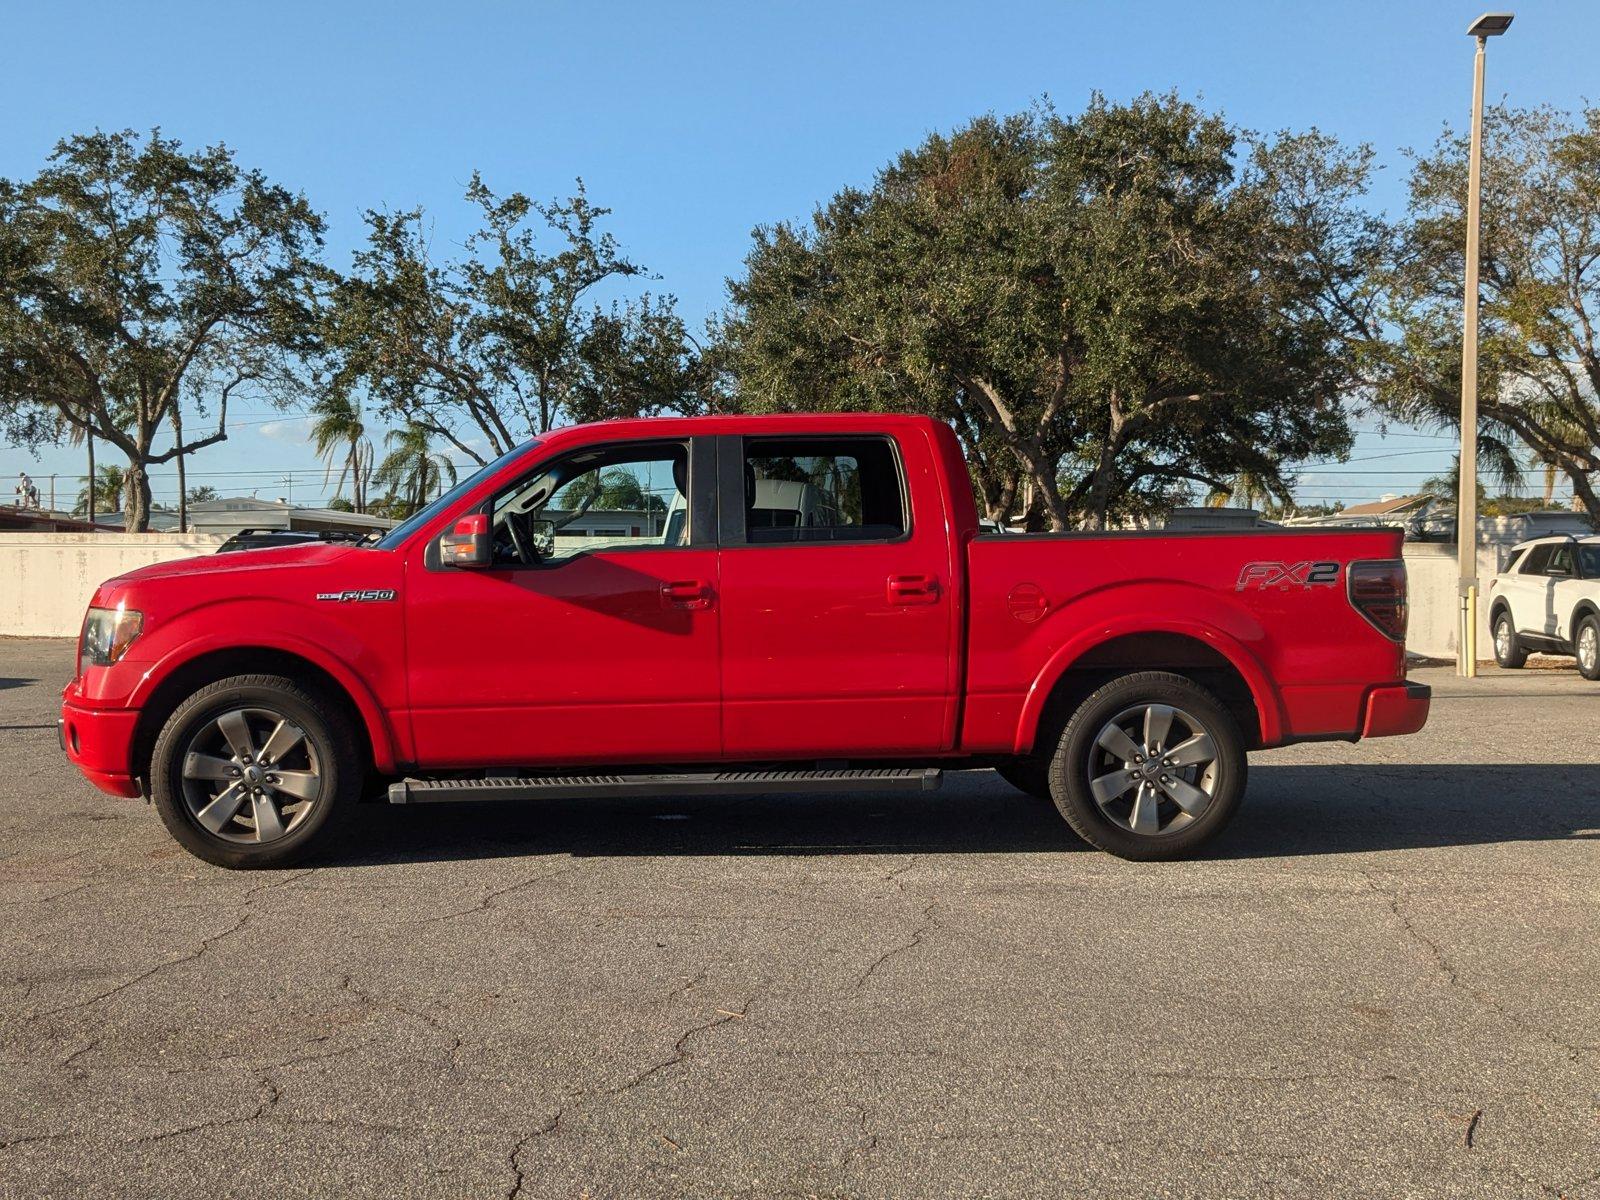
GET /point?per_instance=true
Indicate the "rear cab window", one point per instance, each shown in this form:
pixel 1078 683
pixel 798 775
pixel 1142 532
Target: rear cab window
pixel 823 489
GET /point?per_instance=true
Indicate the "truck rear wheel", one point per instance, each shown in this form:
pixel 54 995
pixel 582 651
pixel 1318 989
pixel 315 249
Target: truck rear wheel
pixel 1151 766
pixel 255 771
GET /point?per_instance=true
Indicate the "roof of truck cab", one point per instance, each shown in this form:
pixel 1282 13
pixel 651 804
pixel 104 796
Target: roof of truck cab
pixel 796 424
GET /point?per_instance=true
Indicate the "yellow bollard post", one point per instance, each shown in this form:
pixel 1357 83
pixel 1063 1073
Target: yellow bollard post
pixel 1470 614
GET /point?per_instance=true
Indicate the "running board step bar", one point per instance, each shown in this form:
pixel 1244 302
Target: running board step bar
pixel 691 783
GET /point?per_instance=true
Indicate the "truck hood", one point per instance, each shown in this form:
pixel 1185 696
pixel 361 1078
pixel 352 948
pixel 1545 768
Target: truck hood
pixel 307 554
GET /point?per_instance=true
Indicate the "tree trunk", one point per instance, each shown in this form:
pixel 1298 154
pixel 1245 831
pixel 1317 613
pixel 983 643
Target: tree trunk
pixel 1583 491
pixel 1099 500
pixel 136 502
pixel 1048 493
pixel 999 504
pixel 90 439
pixel 183 492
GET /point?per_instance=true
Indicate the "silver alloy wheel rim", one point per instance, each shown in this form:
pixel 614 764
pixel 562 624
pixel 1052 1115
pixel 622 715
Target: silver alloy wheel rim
pixel 1153 769
pixel 1502 639
pixel 1588 647
pixel 250 775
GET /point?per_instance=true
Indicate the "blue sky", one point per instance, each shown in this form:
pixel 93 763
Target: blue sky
pixel 697 121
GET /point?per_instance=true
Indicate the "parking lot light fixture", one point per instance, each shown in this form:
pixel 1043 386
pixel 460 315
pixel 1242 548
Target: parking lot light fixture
pixel 1485 27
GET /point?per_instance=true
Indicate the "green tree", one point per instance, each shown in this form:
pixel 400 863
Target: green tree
pixel 1111 308
pixel 1539 361
pixel 137 275
pixel 199 495
pixel 505 341
pixel 412 471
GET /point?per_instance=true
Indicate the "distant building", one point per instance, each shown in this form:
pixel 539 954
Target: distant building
pixel 1428 519
pixel 44 520
pixel 1220 519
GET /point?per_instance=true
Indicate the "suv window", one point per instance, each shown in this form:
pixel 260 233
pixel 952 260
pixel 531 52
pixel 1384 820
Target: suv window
pixel 1536 560
pixel 1561 561
pixel 822 490
pixel 1589 560
pixel 600 498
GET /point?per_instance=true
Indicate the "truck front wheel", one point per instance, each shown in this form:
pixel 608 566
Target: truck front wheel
pixel 254 771
pixel 1150 766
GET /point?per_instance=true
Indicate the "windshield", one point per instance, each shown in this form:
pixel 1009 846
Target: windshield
pixel 422 516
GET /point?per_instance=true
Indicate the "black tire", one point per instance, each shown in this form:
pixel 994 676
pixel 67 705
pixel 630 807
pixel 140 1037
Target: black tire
pixel 1177 832
pixel 1509 651
pixel 1588 628
pixel 1030 775
pixel 329 750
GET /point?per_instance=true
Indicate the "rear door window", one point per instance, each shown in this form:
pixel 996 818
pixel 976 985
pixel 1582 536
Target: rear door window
pixel 1536 560
pixel 823 490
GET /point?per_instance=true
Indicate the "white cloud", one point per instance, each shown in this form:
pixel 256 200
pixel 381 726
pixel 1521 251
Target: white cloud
pixel 295 431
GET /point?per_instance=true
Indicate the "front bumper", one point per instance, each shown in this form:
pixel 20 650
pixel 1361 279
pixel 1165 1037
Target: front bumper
pixel 1396 709
pixel 99 742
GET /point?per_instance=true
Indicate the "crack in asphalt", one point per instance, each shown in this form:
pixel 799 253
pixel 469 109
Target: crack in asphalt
pixel 263 1107
pixel 1452 976
pixel 205 945
pixel 679 1050
pixel 347 984
pixel 486 901
pixel 917 936
pixel 514 1158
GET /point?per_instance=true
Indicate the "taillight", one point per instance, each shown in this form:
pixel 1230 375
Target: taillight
pixel 1378 593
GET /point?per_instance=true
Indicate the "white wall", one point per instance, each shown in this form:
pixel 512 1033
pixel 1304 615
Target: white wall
pixel 1431 577
pixel 46 579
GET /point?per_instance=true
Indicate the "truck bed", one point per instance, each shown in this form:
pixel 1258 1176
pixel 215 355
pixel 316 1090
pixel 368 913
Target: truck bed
pixel 1251 601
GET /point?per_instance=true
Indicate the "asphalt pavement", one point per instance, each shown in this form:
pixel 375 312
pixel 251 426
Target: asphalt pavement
pixel 1383 981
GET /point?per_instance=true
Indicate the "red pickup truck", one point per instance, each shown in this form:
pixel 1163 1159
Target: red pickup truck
pixel 754 604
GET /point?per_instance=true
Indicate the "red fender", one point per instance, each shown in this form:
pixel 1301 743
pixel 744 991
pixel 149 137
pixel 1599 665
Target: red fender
pixel 385 751
pixel 1237 654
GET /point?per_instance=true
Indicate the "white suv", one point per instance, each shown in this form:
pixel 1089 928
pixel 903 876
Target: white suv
pixel 1547 599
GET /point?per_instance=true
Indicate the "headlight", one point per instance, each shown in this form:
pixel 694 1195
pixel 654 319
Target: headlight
pixel 107 634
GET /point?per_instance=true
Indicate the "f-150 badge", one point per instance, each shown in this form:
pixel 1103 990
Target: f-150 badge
pixel 357 597
pixel 1304 575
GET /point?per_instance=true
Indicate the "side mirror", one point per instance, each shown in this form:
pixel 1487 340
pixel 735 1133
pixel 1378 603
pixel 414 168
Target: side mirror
pixel 467 545
pixel 544 537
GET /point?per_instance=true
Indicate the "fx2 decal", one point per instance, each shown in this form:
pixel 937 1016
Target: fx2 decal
pixel 357 597
pixel 1303 575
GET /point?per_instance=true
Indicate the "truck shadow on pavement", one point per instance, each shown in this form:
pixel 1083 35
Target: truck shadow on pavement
pixel 1289 811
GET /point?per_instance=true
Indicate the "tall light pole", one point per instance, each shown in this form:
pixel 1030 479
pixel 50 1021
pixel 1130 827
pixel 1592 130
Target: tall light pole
pixel 1485 27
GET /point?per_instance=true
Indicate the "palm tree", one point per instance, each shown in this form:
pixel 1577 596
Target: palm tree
pixel 1257 489
pixel 107 494
pixel 411 470
pixel 340 437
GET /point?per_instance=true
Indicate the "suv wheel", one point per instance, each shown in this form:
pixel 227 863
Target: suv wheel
pixel 1509 651
pixel 1588 647
pixel 1150 766
pixel 254 771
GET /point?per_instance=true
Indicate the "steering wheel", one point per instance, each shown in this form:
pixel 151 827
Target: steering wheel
pixel 518 542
